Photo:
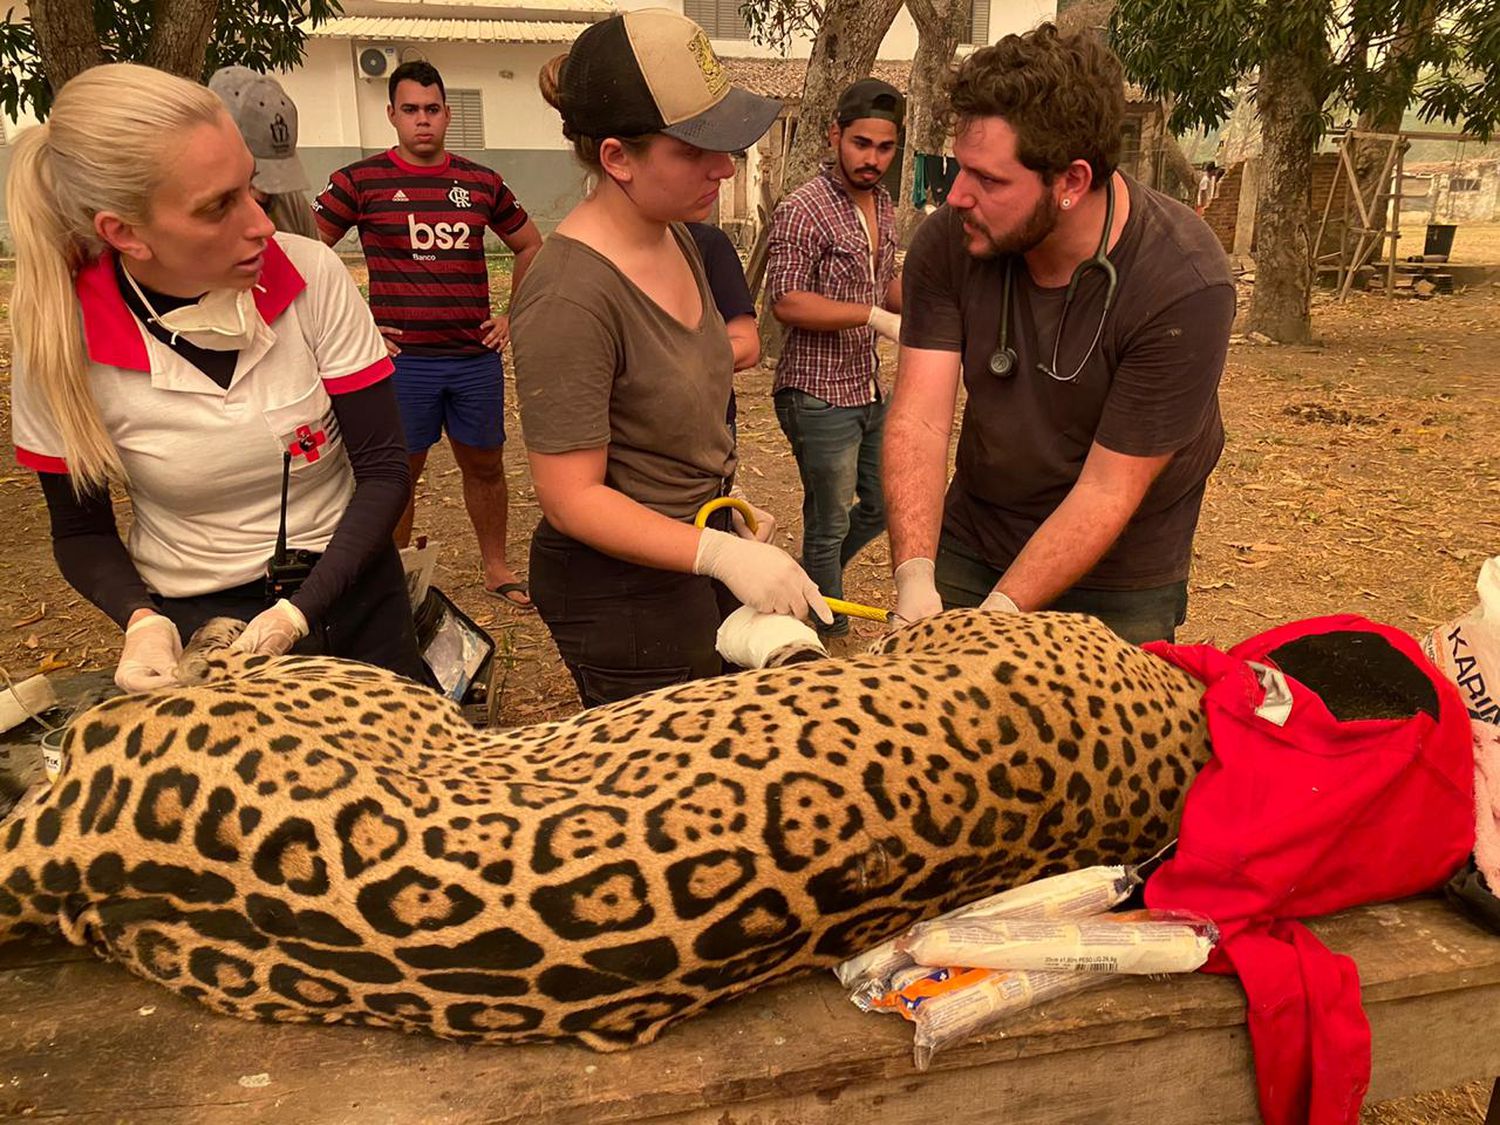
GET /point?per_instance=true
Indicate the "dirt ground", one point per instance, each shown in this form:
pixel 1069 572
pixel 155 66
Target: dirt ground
pixel 1361 474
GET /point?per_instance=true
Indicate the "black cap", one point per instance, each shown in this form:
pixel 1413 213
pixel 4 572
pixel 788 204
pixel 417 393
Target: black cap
pixel 654 71
pixel 870 97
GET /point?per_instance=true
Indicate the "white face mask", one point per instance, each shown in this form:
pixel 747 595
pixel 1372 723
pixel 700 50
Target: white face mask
pixel 222 320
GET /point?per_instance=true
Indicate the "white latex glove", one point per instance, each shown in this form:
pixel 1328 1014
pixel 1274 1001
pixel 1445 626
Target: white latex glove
pixel 1000 602
pixel 149 656
pixel 765 522
pixel 762 576
pixel 916 591
pixel 887 323
pixel 273 631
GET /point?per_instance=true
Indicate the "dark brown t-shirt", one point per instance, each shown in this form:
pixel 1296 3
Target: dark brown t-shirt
pixel 598 363
pixel 1150 388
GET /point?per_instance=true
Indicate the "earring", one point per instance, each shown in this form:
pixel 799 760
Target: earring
pixel 1067 203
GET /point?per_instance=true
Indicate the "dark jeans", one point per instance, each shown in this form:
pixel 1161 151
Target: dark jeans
pixel 623 629
pixel 1137 616
pixel 838 457
pixel 372 621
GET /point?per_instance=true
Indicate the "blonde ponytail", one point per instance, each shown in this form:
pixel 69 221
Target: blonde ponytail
pixel 98 152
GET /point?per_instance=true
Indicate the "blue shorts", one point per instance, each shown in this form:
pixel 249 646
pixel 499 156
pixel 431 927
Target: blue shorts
pixel 463 394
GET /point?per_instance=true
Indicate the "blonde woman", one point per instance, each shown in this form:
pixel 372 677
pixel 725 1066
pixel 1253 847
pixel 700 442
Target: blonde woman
pixel 171 343
pixel 624 368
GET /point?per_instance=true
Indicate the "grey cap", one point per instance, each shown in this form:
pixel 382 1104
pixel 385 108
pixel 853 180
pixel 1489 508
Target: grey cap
pixel 267 119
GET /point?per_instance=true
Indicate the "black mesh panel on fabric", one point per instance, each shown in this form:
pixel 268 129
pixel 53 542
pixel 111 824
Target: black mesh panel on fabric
pixel 605 84
pixel 1358 675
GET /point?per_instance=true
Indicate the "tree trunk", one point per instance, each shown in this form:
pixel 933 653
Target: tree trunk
pixel 1398 75
pixel 940 27
pixel 1289 105
pixel 66 38
pixel 843 52
pixel 179 41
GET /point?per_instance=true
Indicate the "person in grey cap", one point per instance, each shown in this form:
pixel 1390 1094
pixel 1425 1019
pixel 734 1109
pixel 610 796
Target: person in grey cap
pixel 624 368
pixel 831 278
pixel 267 120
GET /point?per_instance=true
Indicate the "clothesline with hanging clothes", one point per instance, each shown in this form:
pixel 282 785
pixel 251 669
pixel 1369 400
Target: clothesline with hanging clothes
pixel 932 179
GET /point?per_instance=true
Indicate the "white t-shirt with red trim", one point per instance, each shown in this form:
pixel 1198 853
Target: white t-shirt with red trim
pixel 204 462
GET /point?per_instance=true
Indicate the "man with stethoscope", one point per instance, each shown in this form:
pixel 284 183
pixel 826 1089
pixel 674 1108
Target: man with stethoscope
pixel 1089 318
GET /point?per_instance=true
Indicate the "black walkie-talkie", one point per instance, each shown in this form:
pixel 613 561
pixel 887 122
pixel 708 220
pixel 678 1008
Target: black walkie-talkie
pixel 288 569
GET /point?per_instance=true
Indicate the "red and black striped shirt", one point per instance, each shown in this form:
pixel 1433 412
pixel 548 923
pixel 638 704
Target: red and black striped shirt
pixel 422 229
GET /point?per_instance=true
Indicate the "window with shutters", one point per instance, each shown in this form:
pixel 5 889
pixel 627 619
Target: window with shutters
pixel 466 130
pixel 978 33
pixel 720 18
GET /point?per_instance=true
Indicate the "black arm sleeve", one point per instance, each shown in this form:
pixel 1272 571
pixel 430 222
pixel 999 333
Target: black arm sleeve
pixel 88 550
pixel 371 427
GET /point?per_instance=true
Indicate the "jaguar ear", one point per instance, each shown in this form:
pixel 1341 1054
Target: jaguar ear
pixel 205 655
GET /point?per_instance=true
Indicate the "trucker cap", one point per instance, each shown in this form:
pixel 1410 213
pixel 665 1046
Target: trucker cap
pixel 267 119
pixel 654 71
pixel 870 97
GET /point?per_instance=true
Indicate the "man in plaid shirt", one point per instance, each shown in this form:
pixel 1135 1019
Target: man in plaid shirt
pixel 831 279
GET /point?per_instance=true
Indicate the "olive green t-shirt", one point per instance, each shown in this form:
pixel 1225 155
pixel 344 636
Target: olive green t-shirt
pixel 1149 388
pixel 598 363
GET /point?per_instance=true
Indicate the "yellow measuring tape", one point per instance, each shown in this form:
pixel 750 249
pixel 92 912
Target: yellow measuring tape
pixel 838 605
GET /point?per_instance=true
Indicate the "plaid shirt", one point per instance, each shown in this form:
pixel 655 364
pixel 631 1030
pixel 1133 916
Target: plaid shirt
pixel 818 245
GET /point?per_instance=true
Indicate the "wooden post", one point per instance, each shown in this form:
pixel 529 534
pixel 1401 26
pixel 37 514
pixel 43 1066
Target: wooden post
pixel 1395 221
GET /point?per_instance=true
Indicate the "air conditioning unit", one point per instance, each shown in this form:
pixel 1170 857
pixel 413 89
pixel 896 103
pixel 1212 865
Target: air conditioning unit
pixel 377 60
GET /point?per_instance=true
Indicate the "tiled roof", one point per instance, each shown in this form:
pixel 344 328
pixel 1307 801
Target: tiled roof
pixel 783 78
pixel 397 29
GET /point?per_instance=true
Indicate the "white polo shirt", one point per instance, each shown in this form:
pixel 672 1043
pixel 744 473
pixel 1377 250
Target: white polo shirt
pixel 204 461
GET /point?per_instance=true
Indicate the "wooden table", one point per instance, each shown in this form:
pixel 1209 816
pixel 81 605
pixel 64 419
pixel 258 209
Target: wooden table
pixel 80 1037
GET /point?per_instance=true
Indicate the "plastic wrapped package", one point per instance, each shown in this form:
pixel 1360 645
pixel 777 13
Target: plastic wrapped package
pixel 1075 894
pixel 980 1001
pixel 1136 942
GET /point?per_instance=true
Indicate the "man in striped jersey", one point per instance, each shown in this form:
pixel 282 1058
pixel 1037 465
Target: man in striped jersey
pixel 421 213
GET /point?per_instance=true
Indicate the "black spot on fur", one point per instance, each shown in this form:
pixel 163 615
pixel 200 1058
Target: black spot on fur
pixel 476 984
pixel 181 882
pixel 624 1021
pixel 501 948
pixel 764 918
pixel 367 968
pixel 577 834
pixel 368 836
pixel 96 735
pixel 306 990
pixel 640 961
pixel 411 901
pixel 281 920
pixel 610 898
pixel 155 819
pixel 492 1019
pixel 702 882
pixel 288 857
pixel 233 976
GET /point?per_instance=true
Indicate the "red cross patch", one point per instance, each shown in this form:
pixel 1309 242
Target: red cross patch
pixel 305 443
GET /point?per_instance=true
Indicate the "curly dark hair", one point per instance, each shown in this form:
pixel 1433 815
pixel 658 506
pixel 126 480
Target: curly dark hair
pixel 1064 95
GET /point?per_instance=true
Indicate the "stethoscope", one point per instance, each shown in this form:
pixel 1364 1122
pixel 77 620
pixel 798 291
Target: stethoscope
pixel 1003 359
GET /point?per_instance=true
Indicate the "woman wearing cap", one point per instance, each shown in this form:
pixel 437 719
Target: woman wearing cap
pixel 267 120
pixel 624 369
pixel 170 342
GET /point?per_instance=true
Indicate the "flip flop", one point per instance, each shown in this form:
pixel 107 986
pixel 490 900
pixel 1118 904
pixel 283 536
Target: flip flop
pixel 506 589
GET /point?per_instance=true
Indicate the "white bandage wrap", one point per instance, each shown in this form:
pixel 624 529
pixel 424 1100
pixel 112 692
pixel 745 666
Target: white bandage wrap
pixel 749 639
